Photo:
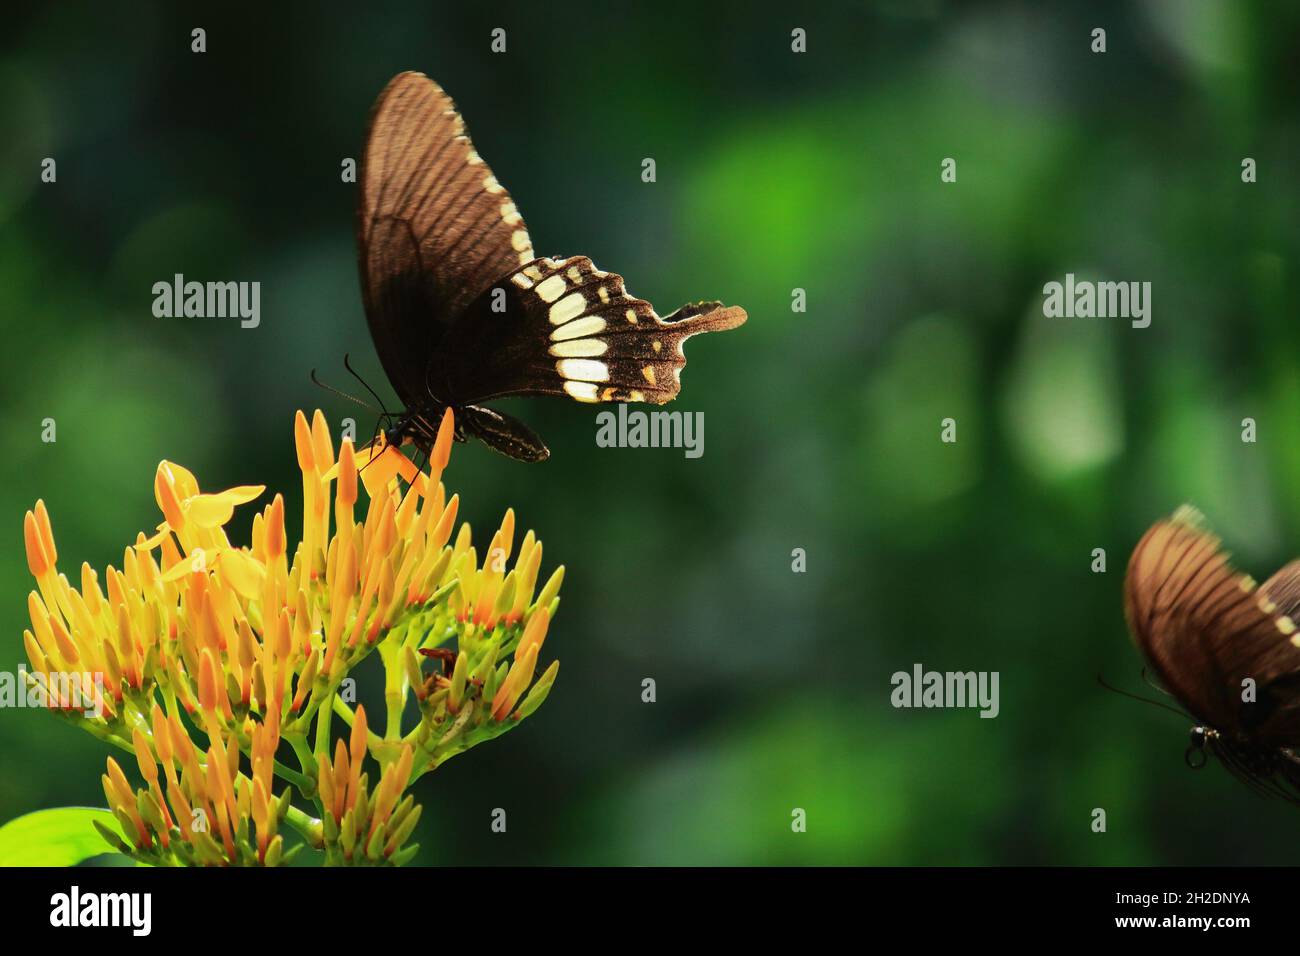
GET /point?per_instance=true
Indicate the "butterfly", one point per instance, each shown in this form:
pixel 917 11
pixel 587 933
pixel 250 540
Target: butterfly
pixel 461 310
pixel 1223 648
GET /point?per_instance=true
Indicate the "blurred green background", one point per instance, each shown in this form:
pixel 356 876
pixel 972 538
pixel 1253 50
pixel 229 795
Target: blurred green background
pixel 775 171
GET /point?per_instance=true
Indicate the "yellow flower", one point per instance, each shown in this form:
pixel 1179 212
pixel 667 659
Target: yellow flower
pixel 248 646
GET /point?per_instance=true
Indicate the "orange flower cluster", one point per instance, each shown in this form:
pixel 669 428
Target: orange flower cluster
pixel 204 792
pixel 245 647
pixel 362 827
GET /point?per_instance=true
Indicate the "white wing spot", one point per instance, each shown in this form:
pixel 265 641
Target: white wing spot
pixel 491 185
pixel 604 294
pixel 579 348
pixel 631 316
pixel 586 370
pixel 649 373
pixel 521 280
pixel 574 274
pixel 551 288
pixel 1286 625
pixel 519 239
pixel 582 391
pixel 510 214
pixel 570 307
pixel 591 325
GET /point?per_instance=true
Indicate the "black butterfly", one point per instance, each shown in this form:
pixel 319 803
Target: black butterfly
pixel 460 309
pixel 1205 629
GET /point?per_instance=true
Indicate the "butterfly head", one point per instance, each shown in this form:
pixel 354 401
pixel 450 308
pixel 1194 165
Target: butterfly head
pixel 1195 755
pixel 418 428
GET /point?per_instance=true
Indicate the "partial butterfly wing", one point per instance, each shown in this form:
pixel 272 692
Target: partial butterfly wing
pixel 1280 597
pixel 1282 590
pixel 434 230
pixel 1204 628
pixel 564 327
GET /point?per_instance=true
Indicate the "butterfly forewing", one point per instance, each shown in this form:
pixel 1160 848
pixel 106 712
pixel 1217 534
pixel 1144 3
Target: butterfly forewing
pixel 1205 628
pixel 434 229
pixel 565 327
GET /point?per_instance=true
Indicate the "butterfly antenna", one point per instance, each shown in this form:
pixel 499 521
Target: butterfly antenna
pixel 342 394
pixel 1146 700
pixel 1146 679
pixel 347 364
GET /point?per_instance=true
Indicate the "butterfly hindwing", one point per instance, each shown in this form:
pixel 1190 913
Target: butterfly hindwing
pixel 434 228
pixel 564 327
pixel 1205 628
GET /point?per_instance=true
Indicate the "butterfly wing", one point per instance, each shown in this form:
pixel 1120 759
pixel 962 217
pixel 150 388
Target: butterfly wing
pixel 564 327
pixel 434 229
pixel 1280 597
pixel 1267 771
pixel 1282 590
pixel 1204 628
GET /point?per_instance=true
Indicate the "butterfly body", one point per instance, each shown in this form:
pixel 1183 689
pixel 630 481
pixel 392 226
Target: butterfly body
pixel 462 311
pixel 419 427
pixel 1223 647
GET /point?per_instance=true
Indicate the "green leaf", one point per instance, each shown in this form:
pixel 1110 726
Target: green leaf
pixel 61 837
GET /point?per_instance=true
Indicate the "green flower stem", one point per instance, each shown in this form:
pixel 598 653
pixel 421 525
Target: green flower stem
pixel 169 698
pixel 305 784
pixel 323 718
pixel 310 768
pixel 419 770
pixel 395 688
pixel 308 827
pixel 103 733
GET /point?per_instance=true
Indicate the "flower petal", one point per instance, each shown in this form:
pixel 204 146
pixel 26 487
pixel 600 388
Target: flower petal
pixel 244 574
pixel 213 511
pixel 379 470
